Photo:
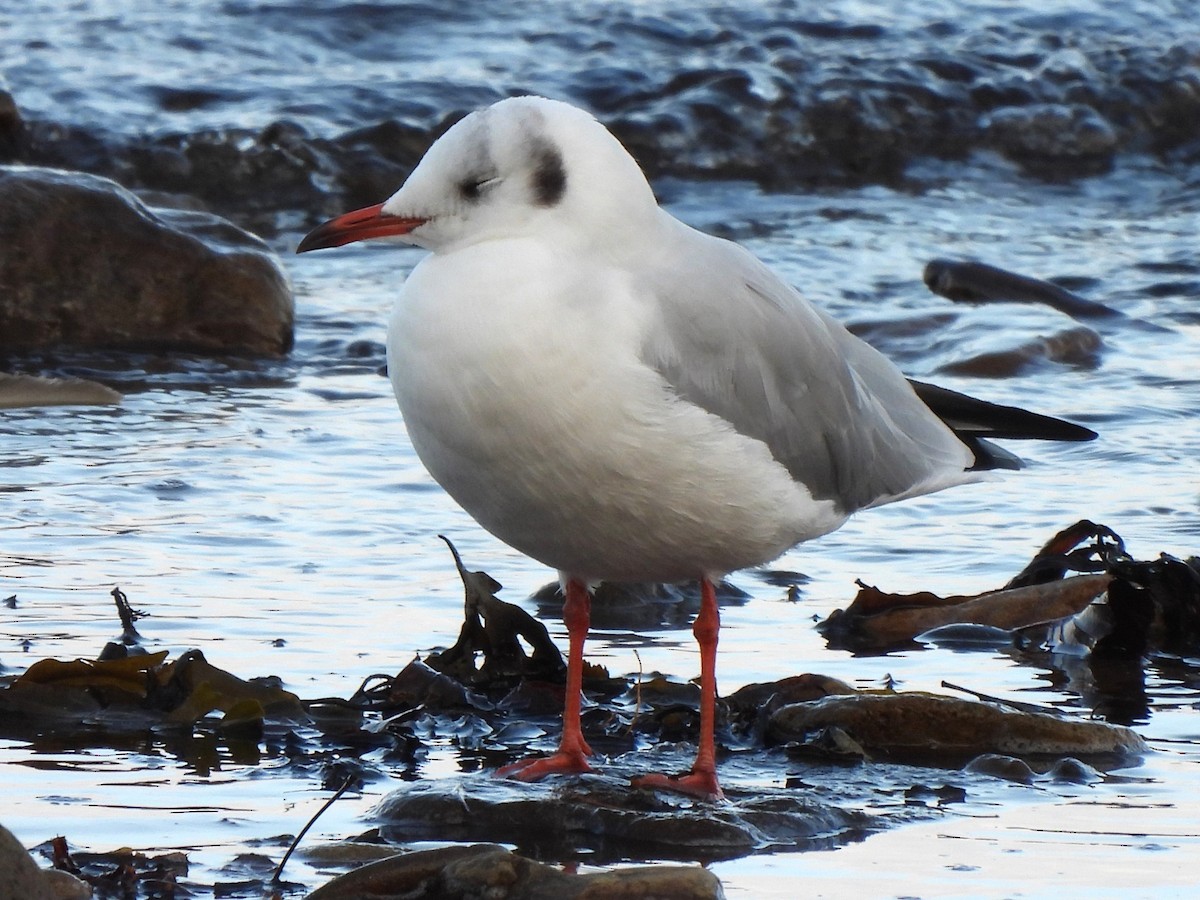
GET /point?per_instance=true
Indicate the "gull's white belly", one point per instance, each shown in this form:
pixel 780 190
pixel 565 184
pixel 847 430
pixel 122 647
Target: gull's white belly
pixel 538 417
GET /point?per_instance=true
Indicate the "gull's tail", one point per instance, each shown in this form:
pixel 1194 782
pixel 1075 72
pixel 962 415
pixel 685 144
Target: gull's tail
pixel 973 421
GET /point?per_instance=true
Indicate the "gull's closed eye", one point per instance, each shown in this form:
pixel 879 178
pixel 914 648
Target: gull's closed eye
pixel 472 188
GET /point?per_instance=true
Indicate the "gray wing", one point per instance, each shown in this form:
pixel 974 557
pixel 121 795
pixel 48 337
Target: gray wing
pixel 738 342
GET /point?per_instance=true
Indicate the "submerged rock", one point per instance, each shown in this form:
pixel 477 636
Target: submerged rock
pixel 613 819
pixel 33 390
pixel 86 264
pixel 487 870
pixel 995 356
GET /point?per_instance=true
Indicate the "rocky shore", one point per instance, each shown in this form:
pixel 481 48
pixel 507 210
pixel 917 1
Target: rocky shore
pixel 763 93
pixel 768 93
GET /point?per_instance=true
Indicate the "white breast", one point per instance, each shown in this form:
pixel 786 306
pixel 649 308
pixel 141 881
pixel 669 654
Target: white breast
pixel 519 379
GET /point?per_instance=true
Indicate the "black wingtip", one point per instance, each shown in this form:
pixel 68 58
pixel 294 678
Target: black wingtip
pixel 969 416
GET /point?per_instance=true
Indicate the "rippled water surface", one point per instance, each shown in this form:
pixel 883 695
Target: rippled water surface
pixel 273 515
pixel 279 522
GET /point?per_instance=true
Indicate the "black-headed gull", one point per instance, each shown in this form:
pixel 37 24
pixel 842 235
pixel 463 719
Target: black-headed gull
pixel 624 398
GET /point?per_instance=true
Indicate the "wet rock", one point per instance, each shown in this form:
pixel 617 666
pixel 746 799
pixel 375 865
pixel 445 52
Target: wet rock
pixel 23 879
pixel 1073 771
pixel 12 128
pixel 372 162
pixel 793 689
pixel 927 726
pixel 487 870
pixel 1052 139
pixel 997 765
pixel 235 172
pixel 967 281
pixel 749 708
pixel 738 91
pixel 88 265
pixel 32 390
pixel 616 820
pixel 1077 345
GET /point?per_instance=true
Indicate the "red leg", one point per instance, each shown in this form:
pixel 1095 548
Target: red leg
pixel 702 780
pixel 572 753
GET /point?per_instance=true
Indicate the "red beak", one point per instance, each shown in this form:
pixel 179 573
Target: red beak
pixel 359 225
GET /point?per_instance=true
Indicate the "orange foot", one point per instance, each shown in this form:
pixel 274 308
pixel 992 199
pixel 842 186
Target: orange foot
pixel 701 785
pixel 561 762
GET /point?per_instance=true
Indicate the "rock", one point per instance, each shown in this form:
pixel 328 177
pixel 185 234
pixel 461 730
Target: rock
pixel 754 91
pixel 927 726
pixel 615 820
pixel 968 281
pixel 238 172
pixel 21 878
pixel 87 265
pixel 997 765
pixel 993 356
pixel 487 870
pixel 32 390
pixel 1053 139
pixel 12 128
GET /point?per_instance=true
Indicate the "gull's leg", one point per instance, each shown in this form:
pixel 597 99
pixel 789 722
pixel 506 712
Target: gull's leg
pixel 572 753
pixel 702 780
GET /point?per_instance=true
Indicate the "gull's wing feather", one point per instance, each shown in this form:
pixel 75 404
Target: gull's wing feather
pixel 735 340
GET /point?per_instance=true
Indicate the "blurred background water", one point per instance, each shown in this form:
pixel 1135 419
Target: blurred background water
pixel 272 514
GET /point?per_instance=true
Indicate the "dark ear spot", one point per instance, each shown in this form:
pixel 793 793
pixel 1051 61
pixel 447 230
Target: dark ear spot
pixel 549 176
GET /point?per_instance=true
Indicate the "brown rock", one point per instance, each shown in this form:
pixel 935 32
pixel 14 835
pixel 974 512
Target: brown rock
pixel 906 725
pixel 486 870
pixel 32 390
pixel 84 263
pixel 12 128
pixel 22 879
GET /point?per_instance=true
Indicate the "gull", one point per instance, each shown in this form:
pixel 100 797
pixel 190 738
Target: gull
pixel 624 398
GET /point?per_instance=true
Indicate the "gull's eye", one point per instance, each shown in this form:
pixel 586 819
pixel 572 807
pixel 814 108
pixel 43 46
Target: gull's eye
pixel 471 189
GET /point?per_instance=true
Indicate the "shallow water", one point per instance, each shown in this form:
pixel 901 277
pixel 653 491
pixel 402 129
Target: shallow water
pixel 272 514
pixel 278 521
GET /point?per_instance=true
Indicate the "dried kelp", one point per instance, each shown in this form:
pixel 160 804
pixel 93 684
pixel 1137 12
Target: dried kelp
pixel 1081 588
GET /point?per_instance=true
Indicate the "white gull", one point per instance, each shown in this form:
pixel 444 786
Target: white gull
pixel 624 398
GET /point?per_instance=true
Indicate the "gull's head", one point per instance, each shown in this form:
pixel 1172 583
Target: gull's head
pixel 524 166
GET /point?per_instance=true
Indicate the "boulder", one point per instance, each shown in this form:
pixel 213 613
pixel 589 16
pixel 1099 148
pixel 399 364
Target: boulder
pixel 23 879
pixel 85 264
